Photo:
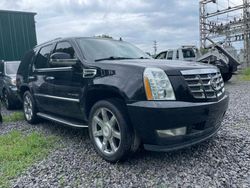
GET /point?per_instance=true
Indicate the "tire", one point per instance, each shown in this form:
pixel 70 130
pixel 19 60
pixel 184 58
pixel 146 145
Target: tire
pixel 109 130
pixel 29 108
pixel 227 76
pixel 7 100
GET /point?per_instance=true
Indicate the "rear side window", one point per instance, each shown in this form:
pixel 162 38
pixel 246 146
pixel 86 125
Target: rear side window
pixel 26 61
pixel 188 53
pixel 170 55
pixel 42 60
pixel 66 48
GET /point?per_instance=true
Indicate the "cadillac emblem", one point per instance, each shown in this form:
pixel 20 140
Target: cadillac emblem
pixel 213 84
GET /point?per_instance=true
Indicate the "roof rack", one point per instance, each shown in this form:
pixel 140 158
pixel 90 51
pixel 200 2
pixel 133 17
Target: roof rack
pixel 53 40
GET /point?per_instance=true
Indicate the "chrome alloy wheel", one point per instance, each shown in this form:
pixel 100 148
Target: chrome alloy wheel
pixel 106 131
pixel 27 106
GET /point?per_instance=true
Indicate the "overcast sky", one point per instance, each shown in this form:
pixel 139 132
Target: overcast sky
pixel 170 22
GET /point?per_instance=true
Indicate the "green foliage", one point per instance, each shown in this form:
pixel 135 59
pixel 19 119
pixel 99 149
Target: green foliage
pixel 246 74
pixel 15 116
pixel 203 50
pixel 18 152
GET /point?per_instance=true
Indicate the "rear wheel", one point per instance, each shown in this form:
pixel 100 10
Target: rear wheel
pixel 29 108
pixel 109 130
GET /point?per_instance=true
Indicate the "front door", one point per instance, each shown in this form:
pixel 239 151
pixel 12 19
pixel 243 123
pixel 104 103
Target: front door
pixel 68 82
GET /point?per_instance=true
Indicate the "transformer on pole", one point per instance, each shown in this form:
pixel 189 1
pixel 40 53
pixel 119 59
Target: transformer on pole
pixel 227 29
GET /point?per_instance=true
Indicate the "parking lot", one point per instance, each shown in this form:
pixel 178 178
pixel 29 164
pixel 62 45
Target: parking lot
pixel 221 162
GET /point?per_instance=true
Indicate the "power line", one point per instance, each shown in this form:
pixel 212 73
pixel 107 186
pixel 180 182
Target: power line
pixel 222 24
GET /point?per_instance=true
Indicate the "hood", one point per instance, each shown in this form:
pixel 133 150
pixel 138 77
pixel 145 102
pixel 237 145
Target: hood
pixel 171 67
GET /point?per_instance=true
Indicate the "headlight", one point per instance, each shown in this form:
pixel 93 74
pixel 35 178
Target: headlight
pixel 157 85
pixel 13 81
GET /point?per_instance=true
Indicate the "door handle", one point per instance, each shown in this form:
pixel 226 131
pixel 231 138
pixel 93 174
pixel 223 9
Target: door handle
pixel 32 77
pixel 50 78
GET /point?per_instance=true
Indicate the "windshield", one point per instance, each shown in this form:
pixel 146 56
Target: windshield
pixel 103 49
pixel 11 68
pixel 188 53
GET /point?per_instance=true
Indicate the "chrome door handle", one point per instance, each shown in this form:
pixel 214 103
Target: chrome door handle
pixel 50 78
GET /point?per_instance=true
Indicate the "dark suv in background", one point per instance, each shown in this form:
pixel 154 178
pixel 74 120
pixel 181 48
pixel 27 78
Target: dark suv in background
pixel 8 89
pixel 122 95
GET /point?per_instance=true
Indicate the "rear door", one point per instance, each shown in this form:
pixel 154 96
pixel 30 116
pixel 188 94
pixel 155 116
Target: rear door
pixel 41 79
pixel 67 84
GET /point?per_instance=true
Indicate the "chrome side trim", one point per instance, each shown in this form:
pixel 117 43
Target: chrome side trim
pixel 56 97
pixel 54 69
pixel 199 71
pixel 46 116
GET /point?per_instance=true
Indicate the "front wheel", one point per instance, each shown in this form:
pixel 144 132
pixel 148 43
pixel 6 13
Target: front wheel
pixel 227 76
pixel 29 108
pixel 110 131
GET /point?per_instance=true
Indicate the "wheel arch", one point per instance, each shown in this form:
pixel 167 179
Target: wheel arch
pixel 96 94
pixel 22 90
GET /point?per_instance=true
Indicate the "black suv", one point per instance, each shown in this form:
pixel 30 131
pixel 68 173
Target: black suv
pixel 123 96
pixel 8 89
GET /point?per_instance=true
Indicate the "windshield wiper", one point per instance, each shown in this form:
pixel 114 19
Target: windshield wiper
pixel 113 58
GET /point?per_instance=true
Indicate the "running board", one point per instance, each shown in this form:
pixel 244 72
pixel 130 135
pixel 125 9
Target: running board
pixel 60 120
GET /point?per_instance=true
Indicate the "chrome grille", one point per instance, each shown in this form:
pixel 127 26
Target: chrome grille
pixel 204 83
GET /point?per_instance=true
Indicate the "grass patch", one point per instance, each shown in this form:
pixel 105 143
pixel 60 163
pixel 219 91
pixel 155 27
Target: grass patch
pixel 15 116
pixel 18 152
pixel 246 74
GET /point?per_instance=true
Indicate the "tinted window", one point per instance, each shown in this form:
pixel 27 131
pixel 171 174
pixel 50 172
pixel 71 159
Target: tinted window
pixel 26 61
pixel 42 60
pixel 188 53
pixel 66 48
pixel 162 55
pixel 11 68
pixel 170 55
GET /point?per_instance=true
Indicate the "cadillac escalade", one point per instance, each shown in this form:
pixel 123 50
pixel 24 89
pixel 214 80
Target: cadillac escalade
pixel 124 97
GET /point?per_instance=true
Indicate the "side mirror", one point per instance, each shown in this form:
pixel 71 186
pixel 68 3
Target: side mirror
pixel 1 74
pixel 62 59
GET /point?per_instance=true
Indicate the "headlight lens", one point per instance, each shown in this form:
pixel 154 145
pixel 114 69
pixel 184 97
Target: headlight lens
pixel 13 81
pixel 157 85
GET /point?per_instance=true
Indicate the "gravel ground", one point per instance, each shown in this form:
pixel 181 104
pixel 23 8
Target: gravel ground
pixel 220 162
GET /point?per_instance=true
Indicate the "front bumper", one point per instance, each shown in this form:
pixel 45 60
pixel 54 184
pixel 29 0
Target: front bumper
pixel 202 120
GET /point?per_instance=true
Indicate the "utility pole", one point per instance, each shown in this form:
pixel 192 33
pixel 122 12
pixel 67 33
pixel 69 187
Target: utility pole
pixel 155 47
pixel 228 28
pixel 246 31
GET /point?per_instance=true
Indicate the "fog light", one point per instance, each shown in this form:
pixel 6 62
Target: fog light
pixel 172 132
